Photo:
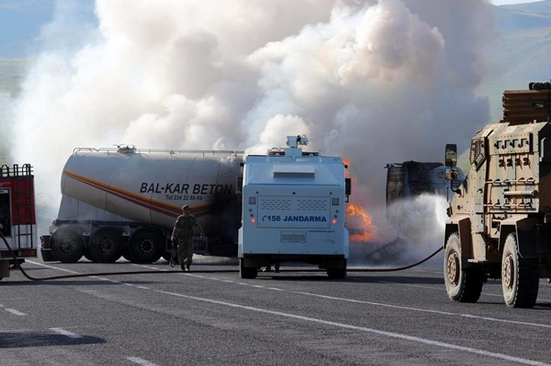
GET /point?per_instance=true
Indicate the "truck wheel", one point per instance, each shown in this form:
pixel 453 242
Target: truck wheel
pixel 106 246
pixel 86 253
pixel 519 276
pixel 126 253
pixel 462 285
pixel 247 272
pixel 145 247
pixel 337 273
pixel 66 245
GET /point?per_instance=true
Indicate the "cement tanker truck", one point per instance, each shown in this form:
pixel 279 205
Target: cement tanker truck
pixel 499 222
pixel 124 201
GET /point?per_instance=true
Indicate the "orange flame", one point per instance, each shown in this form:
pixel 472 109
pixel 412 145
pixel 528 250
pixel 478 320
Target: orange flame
pixel 358 221
pixel 360 224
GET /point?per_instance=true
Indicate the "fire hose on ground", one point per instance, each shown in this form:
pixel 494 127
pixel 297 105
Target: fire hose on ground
pixel 16 261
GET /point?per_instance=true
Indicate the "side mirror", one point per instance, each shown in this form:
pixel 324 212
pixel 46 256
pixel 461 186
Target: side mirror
pixel 451 155
pixel 347 188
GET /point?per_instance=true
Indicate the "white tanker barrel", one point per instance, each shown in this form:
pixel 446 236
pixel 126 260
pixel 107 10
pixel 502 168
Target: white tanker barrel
pixel 151 187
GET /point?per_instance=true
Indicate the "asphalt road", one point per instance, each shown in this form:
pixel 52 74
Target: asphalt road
pixel 212 317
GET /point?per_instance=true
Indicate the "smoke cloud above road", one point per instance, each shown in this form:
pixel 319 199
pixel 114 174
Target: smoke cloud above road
pixel 373 81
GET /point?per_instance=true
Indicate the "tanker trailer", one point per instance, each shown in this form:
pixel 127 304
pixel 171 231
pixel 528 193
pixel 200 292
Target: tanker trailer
pixel 499 223
pixel 125 201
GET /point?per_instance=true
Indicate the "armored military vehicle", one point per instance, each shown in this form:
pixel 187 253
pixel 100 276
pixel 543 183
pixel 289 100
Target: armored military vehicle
pixel 499 222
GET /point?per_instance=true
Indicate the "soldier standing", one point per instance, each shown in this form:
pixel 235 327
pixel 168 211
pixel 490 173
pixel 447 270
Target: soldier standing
pixel 182 237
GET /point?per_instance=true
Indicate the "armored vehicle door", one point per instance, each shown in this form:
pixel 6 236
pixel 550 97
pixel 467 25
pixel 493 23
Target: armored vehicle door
pixel 478 159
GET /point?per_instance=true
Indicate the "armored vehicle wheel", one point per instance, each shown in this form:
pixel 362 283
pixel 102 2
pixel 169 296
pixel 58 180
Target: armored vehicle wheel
pixel 145 247
pixel 462 284
pixel 519 276
pixel 66 245
pixel 106 246
pixel 247 272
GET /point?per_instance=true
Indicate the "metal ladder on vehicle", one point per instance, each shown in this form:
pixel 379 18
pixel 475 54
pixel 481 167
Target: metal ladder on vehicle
pixel 23 208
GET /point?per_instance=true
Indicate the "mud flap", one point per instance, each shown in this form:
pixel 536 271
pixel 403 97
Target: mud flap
pixel 465 238
pixel 4 269
pixel 533 238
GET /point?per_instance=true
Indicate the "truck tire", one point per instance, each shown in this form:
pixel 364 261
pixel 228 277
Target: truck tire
pixel 145 247
pixel 247 272
pixel 66 245
pixel 126 253
pixel 86 253
pixel 106 246
pixel 519 276
pixel 462 284
pixel 337 273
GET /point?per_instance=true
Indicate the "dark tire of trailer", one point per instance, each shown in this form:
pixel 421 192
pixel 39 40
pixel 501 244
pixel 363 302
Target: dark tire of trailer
pixel 66 245
pixel 105 245
pixel 145 246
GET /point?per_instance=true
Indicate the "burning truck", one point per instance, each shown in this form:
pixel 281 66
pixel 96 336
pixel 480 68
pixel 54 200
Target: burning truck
pixel 411 178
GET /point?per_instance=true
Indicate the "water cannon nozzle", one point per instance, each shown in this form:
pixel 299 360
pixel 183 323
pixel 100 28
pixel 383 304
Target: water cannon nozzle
pixel 294 141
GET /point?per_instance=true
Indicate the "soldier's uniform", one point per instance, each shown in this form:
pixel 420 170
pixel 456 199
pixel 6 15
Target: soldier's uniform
pixel 184 239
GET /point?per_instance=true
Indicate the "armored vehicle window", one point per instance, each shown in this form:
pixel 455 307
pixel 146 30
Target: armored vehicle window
pixel 477 152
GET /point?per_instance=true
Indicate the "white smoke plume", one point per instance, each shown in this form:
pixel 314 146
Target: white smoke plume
pixel 411 230
pixel 374 81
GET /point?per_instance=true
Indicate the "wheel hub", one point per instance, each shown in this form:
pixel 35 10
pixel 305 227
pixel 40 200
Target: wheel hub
pixel 508 272
pixel 453 268
pixel 146 246
pixel 107 245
